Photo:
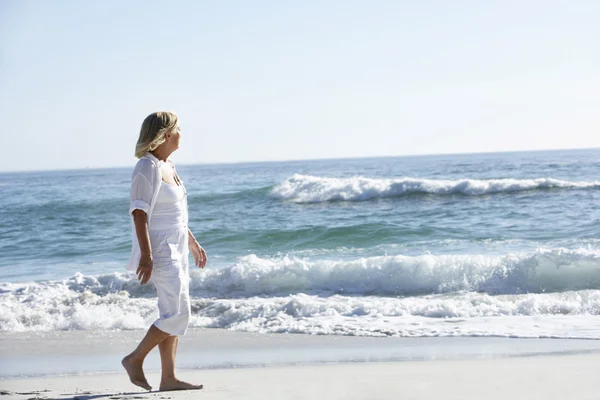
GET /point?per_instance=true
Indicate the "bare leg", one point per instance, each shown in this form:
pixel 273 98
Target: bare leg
pixel 133 362
pixel 168 352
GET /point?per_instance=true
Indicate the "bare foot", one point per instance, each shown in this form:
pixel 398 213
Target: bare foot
pixel 135 372
pixel 176 384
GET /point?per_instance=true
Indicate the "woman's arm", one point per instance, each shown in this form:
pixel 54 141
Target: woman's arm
pixel 196 250
pixel 144 270
pixel 143 187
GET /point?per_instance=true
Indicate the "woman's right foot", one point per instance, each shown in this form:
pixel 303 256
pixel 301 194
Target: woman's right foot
pixel 176 384
pixel 135 372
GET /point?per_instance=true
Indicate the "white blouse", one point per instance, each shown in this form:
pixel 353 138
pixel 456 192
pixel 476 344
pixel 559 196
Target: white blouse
pixel 169 211
pixel 145 185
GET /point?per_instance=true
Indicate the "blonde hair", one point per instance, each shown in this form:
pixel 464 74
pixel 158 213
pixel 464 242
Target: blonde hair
pixel 154 129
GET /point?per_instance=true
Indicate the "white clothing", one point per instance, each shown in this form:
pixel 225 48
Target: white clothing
pixel 145 185
pixel 169 193
pixel 170 276
pixel 169 211
pixel 166 208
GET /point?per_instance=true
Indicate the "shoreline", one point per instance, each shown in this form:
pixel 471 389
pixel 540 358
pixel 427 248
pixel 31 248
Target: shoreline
pixel 544 377
pixel 37 355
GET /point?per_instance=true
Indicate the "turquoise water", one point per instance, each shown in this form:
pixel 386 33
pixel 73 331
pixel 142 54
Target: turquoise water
pixel 472 228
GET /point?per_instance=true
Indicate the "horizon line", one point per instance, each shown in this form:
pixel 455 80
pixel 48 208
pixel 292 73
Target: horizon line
pixel 309 159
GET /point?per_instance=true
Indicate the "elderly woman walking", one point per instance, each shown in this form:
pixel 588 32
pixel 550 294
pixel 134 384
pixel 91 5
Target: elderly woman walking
pixel 161 245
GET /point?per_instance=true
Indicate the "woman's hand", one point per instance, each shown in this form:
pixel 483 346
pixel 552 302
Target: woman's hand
pixel 144 269
pixel 198 253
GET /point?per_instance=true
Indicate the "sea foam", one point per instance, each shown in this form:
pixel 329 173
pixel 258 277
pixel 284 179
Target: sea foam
pixel 544 270
pixel 564 315
pixel 366 296
pixel 315 189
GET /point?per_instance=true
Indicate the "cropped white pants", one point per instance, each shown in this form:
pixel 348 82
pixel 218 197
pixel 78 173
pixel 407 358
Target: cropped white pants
pixel 170 276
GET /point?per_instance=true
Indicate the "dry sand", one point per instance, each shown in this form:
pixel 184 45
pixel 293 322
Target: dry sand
pixel 536 377
pixel 237 365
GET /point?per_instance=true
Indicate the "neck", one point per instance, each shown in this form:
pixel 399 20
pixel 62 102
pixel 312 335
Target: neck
pixel 161 154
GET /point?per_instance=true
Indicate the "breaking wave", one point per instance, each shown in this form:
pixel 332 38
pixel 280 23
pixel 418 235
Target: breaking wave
pixel 315 189
pixel 366 296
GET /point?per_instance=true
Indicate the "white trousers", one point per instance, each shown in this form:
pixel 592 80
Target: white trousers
pixel 170 276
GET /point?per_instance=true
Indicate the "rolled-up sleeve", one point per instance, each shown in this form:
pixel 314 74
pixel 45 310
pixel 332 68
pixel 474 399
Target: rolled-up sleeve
pixel 141 189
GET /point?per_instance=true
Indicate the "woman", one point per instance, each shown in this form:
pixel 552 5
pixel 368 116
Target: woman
pixel 161 244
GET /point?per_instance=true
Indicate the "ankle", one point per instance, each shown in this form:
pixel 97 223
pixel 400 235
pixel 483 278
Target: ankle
pixel 134 358
pixel 168 378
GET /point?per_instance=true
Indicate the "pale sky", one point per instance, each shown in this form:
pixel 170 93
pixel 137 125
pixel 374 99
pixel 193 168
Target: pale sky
pixel 279 80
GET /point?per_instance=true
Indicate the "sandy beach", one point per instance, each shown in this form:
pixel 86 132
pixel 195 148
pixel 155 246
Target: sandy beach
pixel 84 365
pixel 312 200
pixel 536 377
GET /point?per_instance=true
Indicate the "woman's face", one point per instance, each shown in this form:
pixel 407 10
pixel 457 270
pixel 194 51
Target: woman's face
pixel 175 136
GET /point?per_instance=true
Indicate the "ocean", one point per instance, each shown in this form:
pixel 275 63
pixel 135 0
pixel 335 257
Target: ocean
pixel 504 245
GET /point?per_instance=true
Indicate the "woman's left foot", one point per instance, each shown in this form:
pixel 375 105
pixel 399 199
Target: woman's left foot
pixel 176 384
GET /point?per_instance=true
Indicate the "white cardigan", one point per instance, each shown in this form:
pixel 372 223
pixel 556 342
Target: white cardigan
pixel 145 184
